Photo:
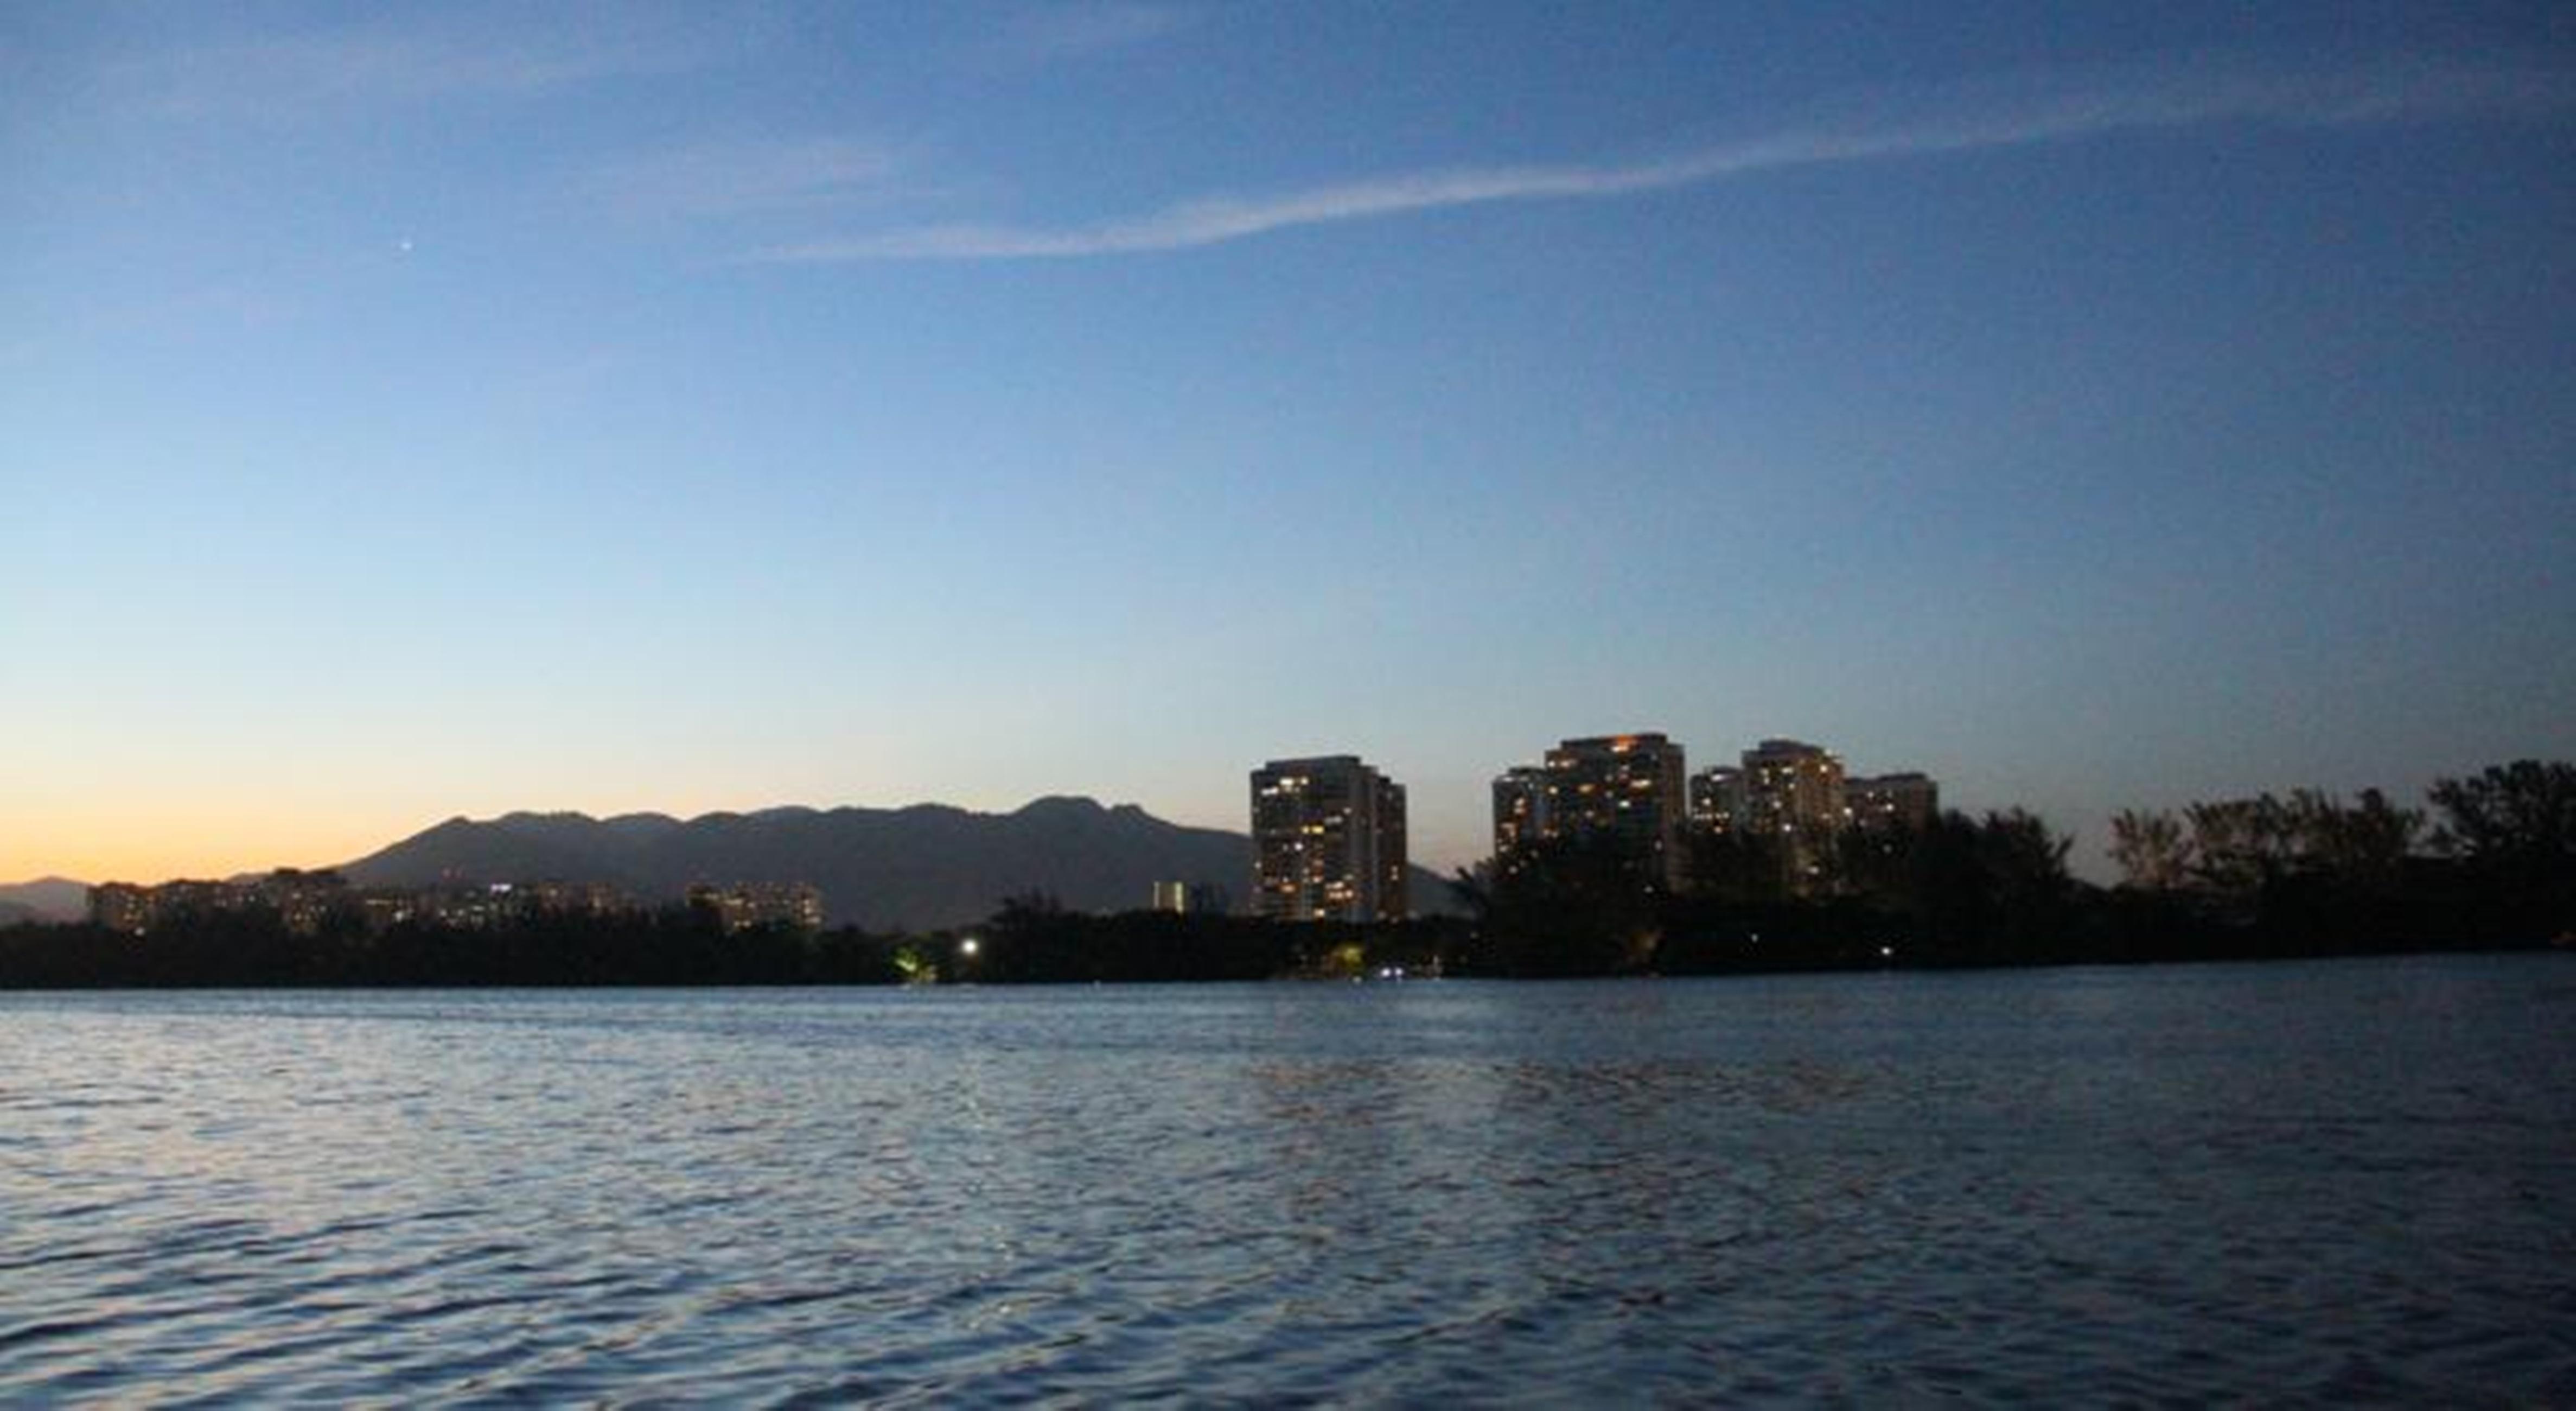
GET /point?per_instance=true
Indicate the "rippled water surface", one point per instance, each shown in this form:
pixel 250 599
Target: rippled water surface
pixel 2326 1182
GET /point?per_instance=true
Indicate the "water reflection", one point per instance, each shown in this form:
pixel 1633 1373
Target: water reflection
pixel 2295 1181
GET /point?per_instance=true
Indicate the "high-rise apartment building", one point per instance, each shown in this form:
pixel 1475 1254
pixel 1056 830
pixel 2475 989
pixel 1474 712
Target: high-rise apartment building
pixel 1792 787
pixel 1622 791
pixel 1795 798
pixel 1520 811
pixel 1327 841
pixel 1717 798
pixel 1793 795
pixel 1891 803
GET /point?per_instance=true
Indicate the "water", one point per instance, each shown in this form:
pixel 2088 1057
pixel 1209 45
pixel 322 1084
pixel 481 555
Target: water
pixel 2321 1182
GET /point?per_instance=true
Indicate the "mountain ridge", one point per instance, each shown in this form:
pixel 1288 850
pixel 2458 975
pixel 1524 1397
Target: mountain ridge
pixel 43 899
pixel 920 866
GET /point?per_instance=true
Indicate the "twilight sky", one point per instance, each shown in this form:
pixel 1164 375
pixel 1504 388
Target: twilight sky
pixel 421 410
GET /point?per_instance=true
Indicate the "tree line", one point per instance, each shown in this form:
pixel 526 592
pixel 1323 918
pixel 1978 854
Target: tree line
pixel 2490 863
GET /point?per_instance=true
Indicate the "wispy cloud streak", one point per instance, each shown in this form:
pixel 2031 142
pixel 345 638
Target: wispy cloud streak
pixel 747 176
pixel 1046 34
pixel 286 76
pixel 1958 121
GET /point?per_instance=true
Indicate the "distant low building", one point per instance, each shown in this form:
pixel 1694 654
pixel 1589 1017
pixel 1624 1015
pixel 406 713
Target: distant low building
pixel 306 903
pixel 303 902
pixel 1192 898
pixel 563 898
pixel 479 907
pixel 123 906
pixel 381 911
pixel 743 905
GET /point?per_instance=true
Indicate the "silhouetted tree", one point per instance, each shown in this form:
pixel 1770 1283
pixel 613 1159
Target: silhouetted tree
pixel 1737 868
pixel 2152 851
pixel 1572 907
pixel 2522 813
pixel 1473 888
pixel 2514 827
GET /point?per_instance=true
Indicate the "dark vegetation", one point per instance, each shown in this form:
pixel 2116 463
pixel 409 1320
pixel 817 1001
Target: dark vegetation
pixel 2492 865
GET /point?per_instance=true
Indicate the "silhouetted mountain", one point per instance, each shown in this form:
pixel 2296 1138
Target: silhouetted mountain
pixel 45 899
pixel 916 868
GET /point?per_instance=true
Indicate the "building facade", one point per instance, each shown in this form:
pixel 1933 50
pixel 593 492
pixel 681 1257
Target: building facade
pixel 304 903
pixel 1807 814
pixel 1328 841
pixel 1891 803
pixel 1619 791
pixel 1717 798
pixel 1792 787
pixel 1520 812
pixel 740 906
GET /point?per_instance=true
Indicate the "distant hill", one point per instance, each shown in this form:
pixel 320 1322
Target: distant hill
pixel 45 899
pixel 917 868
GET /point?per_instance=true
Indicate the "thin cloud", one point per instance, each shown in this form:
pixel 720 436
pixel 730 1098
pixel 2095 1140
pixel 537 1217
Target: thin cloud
pixel 289 74
pixel 1990 117
pixel 1043 34
pixel 749 175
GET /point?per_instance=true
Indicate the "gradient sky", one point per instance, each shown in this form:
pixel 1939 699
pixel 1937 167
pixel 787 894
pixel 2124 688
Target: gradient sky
pixel 422 410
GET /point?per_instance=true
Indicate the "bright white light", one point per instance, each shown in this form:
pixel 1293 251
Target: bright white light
pixel 968 947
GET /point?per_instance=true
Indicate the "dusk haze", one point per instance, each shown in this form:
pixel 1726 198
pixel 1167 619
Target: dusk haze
pixel 455 410
pixel 1287 703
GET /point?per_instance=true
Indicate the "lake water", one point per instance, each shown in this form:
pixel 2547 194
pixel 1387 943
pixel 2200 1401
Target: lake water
pixel 2314 1182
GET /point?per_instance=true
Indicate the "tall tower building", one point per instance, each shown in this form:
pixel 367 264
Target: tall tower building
pixel 1623 790
pixel 1520 811
pixel 1793 796
pixel 1792 787
pixel 1327 841
pixel 1717 798
pixel 1892 802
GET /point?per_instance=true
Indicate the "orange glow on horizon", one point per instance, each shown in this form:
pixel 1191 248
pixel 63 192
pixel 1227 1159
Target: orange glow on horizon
pixel 166 845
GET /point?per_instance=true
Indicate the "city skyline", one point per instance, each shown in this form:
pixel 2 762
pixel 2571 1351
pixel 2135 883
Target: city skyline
pixel 648 408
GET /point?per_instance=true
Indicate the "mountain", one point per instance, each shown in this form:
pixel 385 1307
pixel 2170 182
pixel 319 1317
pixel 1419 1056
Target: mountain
pixel 918 868
pixel 45 899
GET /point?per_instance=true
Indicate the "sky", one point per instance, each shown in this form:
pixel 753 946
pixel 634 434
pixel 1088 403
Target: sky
pixel 417 411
